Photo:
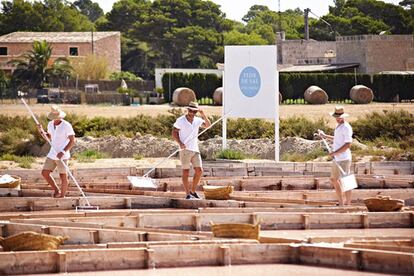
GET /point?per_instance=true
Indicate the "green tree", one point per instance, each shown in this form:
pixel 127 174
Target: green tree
pixel 261 20
pixel 135 54
pixel 357 17
pixel 91 9
pixel 181 32
pixel 35 68
pixel 48 15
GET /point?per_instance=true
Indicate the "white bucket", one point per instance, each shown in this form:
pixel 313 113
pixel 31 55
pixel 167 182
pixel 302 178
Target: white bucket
pixel 348 182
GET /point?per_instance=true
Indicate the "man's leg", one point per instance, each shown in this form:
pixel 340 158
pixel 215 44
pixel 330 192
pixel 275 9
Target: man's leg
pixel 185 164
pixel 184 177
pixel 348 197
pixel 339 194
pixel 198 172
pixel 63 174
pixel 335 174
pixel 64 185
pixel 48 168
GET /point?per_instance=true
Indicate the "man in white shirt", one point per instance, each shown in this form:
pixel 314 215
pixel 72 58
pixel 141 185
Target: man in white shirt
pixel 342 141
pixel 62 137
pixel 185 133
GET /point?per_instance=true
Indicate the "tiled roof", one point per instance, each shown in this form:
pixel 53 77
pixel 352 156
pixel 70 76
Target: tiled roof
pixel 55 37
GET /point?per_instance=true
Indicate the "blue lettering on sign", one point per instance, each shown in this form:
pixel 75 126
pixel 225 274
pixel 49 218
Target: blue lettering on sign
pixel 249 81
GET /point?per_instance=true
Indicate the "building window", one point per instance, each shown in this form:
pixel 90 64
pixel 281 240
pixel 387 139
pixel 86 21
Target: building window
pixel 73 51
pixel 3 51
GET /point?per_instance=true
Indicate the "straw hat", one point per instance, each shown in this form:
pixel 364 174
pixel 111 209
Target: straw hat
pixel 339 112
pixel 193 106
pixel 56 113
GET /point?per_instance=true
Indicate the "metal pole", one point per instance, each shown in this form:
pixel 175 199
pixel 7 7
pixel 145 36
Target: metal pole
pixel 307 24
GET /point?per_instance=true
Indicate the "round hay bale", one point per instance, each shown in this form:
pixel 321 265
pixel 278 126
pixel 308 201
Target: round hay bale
pixel 183 96
pixel 218 96
pixel 316 95
pixel 361 94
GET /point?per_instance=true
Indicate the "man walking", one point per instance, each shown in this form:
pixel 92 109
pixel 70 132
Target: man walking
pixel 62 137
pixel 341 153
pixel 185 132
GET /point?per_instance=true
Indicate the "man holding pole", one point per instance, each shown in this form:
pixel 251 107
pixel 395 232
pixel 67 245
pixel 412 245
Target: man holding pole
pixel 341 152
pixel 62 138
pixel 185 132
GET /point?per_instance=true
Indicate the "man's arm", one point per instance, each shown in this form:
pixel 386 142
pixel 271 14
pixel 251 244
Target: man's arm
pixel 207 122
pixel 341 149
pixel 45 135
pixel 176 137
pixel 68 147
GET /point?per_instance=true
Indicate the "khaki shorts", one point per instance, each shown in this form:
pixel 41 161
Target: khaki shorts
pixel 345 165
pixel 187 157
pixel 50 165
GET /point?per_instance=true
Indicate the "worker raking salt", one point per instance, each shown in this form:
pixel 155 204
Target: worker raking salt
pixel 185 132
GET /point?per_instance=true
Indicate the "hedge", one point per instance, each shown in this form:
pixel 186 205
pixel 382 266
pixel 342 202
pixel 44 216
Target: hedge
pixel 202 84
pixel 293 85
pixel 336 85
pixel 386 87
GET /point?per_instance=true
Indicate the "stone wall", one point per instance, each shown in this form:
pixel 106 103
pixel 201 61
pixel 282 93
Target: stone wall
pixel 377 53
pixel 110 47
pixel 306 52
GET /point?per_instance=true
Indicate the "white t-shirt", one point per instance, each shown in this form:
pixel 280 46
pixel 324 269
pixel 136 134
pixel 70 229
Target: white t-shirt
pixel 342 135
pixel 59 138
pixel 188 132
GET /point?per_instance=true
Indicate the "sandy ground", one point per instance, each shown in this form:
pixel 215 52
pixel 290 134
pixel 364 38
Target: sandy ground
pixel 286 111
pixel 237 270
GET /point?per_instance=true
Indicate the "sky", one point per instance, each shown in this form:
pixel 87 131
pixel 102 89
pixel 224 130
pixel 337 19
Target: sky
pixel 236 9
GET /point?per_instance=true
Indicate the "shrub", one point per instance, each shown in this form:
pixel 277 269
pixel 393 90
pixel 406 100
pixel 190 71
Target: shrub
pixel 91 67
pixel 297 157
pixel 89 156
pixel 394 125
pixel 124 75
pixel 231 154
pixel 15 141
pixel 302 127
pixel 23 161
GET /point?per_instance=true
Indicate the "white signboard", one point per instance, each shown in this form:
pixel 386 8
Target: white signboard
pixel 251 88
pixel 250 81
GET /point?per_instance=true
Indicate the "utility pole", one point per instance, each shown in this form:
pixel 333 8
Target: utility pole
pixel 307 24
pixel 92 42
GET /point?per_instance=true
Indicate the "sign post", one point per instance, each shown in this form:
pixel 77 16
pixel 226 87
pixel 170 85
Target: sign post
pixel 251 87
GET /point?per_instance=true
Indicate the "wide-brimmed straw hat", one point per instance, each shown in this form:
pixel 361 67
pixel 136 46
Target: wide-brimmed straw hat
pixel 339 112
pixel 56 113
pixel 193 106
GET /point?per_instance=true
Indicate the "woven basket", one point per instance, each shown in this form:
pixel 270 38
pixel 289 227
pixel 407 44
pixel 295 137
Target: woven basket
pixel 383 204
pixel 217 192
pixel 27 241
pixel 12 184
pixel 236 230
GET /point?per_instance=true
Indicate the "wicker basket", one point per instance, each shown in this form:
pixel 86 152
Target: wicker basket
pixel 236 230
pixel 27 241
pixel 12 184
pixel 383 204
pixel 217 192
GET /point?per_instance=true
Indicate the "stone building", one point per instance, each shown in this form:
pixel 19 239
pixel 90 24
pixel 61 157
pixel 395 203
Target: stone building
pixel 377 53
pixel 64 44
pixel 369 54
